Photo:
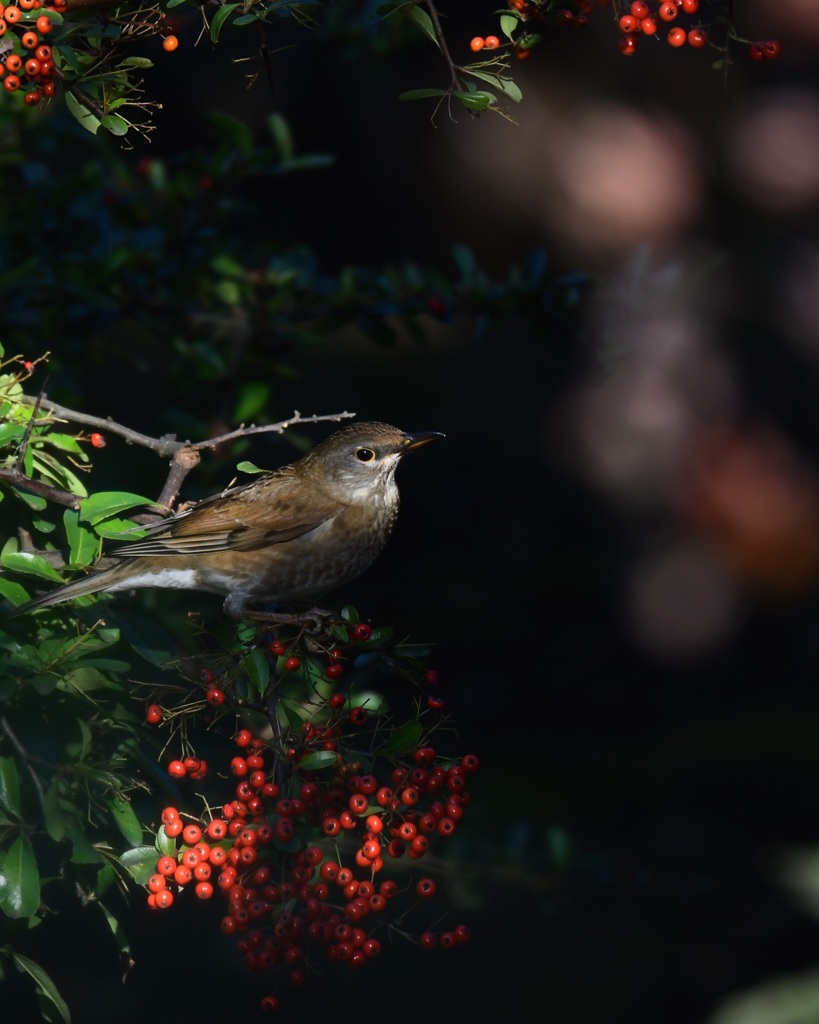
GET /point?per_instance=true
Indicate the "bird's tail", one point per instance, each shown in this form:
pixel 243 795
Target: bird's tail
pixel 90 584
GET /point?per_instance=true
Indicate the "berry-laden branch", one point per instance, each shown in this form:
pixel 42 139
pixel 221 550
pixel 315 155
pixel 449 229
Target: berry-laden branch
pixel 333 806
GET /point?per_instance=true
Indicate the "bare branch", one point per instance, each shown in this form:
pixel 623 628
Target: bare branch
pixel 18 479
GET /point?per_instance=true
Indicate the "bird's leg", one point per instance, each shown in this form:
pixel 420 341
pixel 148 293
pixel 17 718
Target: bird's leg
pixel 316 620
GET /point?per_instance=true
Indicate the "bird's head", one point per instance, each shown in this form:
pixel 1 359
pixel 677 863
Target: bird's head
pixel 359 462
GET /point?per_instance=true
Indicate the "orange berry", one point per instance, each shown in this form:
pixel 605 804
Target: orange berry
pixel 33 67
pixel 492 42
pixel 477 44
pixel 25 5
pixel 3 25
pixel 11 83
pixel 648 26
pixel 523 54
pixel 43 53
pixel 12 15
pixel 14 62
pixel 44 24
pixel 32 98
pixel 170 43
pixel 30 40
pixel 676 37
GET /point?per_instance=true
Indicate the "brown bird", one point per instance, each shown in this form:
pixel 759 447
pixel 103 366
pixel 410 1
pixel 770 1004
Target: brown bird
pixel 290 534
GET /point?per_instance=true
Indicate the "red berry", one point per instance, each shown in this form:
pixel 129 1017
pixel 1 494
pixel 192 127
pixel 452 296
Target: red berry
pixel 358 716
pixel 278 648
pixel 690 6
pixel 492 42
pixel 362 632
pixel 425 888
pixel 640 10
pixel 334 671
pixel 697 37
pixel 192 834
pixel 628 24
pixel 337 701
pixel 238 766
pixel 668 11
pixel 292 664
pixel 771 49
pixel 215 697
pixel 476 44
pixel 177 770
pixel 676 37
pixel 648 26
pixel 243 738
pixel 153 713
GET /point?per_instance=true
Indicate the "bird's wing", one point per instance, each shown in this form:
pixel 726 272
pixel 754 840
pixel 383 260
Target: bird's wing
pixel 271 510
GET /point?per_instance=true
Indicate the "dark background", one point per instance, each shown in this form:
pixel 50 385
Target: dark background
pixel 614 547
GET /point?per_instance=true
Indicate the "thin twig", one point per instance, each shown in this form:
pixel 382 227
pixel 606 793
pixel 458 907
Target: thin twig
pixel 11 736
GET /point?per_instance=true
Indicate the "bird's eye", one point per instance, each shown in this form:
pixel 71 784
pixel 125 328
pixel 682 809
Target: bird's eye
pixel 364 454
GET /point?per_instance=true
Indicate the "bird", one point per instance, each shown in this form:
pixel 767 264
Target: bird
pixel 289 535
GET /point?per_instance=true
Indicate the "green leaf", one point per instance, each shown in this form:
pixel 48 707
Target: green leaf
pixel 164 843
pixel 424 22
pixel 127 821
pixel 509 88
pixel 83 544
pixel 249 467
pixel 140 862
pixel 13 592
pixel 45 986
pixel 10 786
pixel 527 42
pixel 219 18
pixel 147 638
pixel 253 398
pixel 317 760
pixel 258 670
pixel 19 880
pixel 82 852
pixel 421 94
pixel 89 121
pixel 105 504
pixel 115 124
pixel 137 62
pixel 404 738
pixel 475 100
pixel 55 821
pixel 31 565
pixel 282 137
pixel 235 131
pixel 508 24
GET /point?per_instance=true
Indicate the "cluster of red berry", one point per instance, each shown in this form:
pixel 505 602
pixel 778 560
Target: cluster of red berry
pixel 28 60
pixel 313 819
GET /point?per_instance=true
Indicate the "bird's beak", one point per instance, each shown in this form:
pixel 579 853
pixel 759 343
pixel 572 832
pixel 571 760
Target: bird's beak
pixel 413 441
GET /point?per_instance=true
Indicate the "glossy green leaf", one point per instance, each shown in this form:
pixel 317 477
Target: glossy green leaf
pixel 219 18
pixel 318 759
pixel 83 544
pixel 89 121
pixel 12 591
pixel 424 22
pixel 82 852
pixel 141 862
pixel 115 124
pixel 257 668
pixel 249 467
pixel 127 821
pixel 509 88
pixel 164 843
pixel 475 100
pixel 508 24
pixel 49 996
pixel 404 738
pixel 31 565
pixel 105 504
pixel 19 880
pixel 10 786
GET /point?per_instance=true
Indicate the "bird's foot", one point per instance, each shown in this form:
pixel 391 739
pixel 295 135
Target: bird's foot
pixel 315 620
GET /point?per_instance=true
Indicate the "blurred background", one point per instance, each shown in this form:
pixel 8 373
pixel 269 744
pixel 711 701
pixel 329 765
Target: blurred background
pixel 616 550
